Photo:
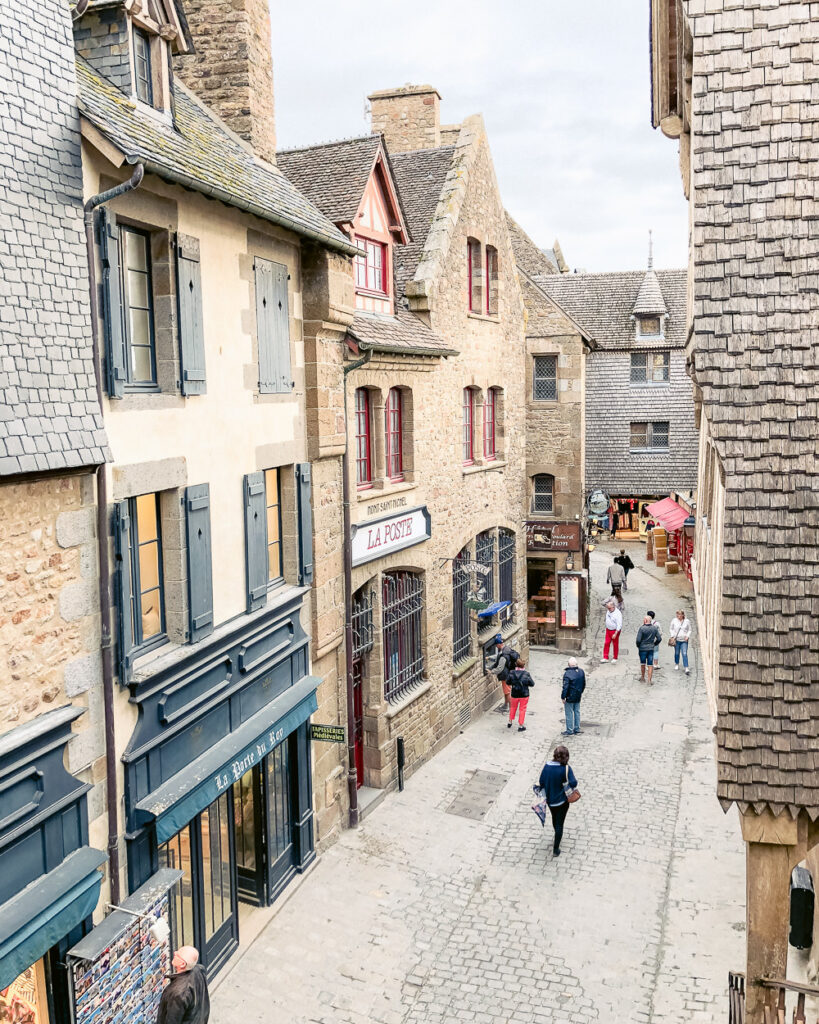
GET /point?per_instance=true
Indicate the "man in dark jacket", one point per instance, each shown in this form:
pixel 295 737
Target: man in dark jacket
pixel 648 636
pixel 185 999
pixel 627 564
pixel 519 682
pixel 574 683
pixel 506 658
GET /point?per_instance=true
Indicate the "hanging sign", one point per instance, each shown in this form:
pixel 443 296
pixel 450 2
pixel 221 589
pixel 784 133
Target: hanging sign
pixel 478 567
pixel 541 536
pixel 327 733
pixel 380 537
pixel 598 503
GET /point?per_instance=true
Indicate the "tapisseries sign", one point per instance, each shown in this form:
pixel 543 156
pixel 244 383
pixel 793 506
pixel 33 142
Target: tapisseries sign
pixel 380 537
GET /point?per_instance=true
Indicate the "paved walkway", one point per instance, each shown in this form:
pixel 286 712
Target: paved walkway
pixel 421 916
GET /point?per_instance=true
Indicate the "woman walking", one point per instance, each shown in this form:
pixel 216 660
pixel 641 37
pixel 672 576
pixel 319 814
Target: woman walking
pixel 519 682
pixel 555 779
pixel 680 635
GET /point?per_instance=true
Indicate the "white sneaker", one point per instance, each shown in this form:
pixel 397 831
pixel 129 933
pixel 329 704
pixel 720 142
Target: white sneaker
pixel 687 672
pixel 614 661
pixel 604 659
pixel 677 668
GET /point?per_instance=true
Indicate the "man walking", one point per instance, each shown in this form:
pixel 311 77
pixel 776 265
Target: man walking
pixel 574 683
pixel 627 564
pixel 614 626
pixel 654 622
pixel 185 999
pixel 616 576
pixel 506 658
pixel 648 636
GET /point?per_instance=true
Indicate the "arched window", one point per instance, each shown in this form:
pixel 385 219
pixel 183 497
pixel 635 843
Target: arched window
pixel 544 493
pixel 394 447
pixel 402 602
pixel 363 440
pixel 468 429
pixel 475 275
pixel 485 554
pixel 491 281
pixel 461 628
pixel 490 420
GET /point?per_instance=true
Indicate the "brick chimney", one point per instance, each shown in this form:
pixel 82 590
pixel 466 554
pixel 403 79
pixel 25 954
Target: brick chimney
pixel 408 118
pixel 231 69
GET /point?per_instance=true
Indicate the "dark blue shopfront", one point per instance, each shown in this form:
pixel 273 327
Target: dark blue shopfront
pixel 217 774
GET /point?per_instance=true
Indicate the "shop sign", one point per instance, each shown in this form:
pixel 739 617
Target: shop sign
pixel 328 733
pixel 598 503
pixel 552 536
pixel 570 601
pixel 380 537
pixel 478 567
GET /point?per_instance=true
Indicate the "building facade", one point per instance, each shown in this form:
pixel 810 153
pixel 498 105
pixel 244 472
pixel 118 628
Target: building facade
pixel 435 364
pixel 53 826
pixel 736 86
pixel 641 440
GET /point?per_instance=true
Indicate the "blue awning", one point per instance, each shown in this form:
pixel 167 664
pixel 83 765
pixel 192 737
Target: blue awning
pixel 493 609
pixel 46 910
pixel 173 804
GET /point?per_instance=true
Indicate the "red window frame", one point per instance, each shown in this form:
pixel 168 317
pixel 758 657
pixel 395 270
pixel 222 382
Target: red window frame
pixel 472 247
pixel 393 430
pixel 468 436
pixel 371 273
pixel 491 279
pixel 363 445
pixel 489 424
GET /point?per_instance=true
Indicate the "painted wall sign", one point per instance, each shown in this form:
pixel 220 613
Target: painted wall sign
pixel 542 536
pixel 380 537
pixel 570 601
pixel 328 733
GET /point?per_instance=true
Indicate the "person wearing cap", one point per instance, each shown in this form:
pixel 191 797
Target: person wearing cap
pixel 506 659
pixel 185 999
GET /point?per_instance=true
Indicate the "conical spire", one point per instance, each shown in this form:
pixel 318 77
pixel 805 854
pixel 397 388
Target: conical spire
pixel 650 250
pixel 650 301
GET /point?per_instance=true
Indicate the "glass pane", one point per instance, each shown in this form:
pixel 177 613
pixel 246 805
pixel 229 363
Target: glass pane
pixel 176 853
pixel 151 614
pixel 149 566
pixel 140 327
pixel 141 365
pixel 136 251
pixel 146 518
pixel 639 432
pixel 244 817
pixel 138 288
pixel 271 486
pixel 274 561
pixel 273 524
pixel 278 781
pixel 216 865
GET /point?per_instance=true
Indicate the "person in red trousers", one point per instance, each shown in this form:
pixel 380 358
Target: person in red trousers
pixel 614 627
pixel 520 682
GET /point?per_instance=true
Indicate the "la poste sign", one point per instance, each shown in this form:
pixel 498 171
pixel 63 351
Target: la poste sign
pixel 380 537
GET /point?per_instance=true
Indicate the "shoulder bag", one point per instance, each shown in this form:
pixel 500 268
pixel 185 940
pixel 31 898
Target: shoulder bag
pixel 572 792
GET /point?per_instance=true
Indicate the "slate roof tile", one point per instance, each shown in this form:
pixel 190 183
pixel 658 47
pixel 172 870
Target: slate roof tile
pixel 332 175
pixel 403 332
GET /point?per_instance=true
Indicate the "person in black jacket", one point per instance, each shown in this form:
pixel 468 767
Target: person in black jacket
pixel 554 779
pixel 506 658
pixel 185 999
pixel 627 564
pixel 574 683
pixel 519 682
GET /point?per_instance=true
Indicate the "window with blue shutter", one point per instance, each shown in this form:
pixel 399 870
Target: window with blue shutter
pixel 122 589
pixel 255 541
pixel 200 572
pixel 111 288
pixel 272 326
pixel 189 307
pixel 305 507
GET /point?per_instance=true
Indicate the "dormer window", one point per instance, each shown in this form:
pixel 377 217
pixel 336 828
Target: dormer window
pixel 142 67
pixel 370 266
pixel 649 327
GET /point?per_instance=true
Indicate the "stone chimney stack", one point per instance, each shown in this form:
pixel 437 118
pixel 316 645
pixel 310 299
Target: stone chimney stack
pixel 232 67
pixel 408 118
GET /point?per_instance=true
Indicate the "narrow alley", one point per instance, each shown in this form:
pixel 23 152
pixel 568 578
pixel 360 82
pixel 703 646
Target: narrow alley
pixel 446 918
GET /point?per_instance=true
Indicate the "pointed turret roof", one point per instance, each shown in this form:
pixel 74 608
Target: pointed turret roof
pixel 650 301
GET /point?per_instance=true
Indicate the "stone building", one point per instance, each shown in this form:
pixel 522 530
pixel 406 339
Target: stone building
pixel 737 86
pixel 556 352
pixel 434 371
pixel 53 829
pixel 224 293
pixel 641 440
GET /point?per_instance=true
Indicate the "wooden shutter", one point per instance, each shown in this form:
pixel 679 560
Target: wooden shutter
pixel 272 327
pixel 255 541
pixel 122 589
pixel 113 331
pixel 200 563
pixel 304 487
pixel 189 305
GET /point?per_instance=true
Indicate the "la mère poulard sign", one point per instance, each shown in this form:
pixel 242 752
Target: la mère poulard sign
pixel 541 536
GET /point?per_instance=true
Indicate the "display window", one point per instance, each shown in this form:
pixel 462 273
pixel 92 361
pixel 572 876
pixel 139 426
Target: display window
pixel 25 1001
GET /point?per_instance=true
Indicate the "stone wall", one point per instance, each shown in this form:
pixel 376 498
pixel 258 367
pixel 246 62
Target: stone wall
pixel 102 38
pixel 232 67
pixel 408 118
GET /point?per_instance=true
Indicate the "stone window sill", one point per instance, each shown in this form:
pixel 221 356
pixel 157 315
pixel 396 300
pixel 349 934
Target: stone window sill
pixel 407 699
pixel 484 467
pixel 464 666
pixel 379 492
pixel 489 319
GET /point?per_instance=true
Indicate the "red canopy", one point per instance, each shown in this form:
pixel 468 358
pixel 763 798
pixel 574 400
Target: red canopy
pixel 668 513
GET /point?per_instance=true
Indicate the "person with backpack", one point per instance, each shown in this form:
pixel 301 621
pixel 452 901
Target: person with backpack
pixel 506 658
pixel 519 682
pixel 559 788
pixel 627 564
pixel 654 622
pixel 648 636
pixel 574 683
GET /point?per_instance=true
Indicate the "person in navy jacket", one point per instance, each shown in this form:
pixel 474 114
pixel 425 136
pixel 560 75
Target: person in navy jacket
pixel 554 777
pixel 574 683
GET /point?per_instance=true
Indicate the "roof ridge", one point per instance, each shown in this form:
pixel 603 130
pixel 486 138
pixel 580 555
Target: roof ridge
pixel 614 273
pixel 427 149
pixel 374 136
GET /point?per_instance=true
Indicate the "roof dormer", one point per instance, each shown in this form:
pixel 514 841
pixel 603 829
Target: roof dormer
pixel 650 311
pixel 131 42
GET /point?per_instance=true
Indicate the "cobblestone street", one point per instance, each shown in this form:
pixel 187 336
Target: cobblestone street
pixel 422 916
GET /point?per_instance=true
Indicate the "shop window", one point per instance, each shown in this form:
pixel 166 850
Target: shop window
pixel 506 566
pixel 543 498
pixel 468 427
pixel 545 379
pixel 485 555
pixel 363 440
pixel 147 585
pixel 649 436
pixel 475 275
pixel 490 411
pixel 491 280
pixel 176 853
pixel 142 67
pixel 402 641
pixel 363 639
pixel 26 998
pixel 650 327
pixel 371 266
pixel 394 444
pixel 650 367
pixel 461 626
pixel 273 521
pixel 139 327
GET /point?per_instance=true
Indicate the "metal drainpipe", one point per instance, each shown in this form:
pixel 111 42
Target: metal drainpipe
pixel 352 774
pixel 112 801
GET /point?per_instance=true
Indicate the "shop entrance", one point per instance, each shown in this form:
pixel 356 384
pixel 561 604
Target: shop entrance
pixel 541 592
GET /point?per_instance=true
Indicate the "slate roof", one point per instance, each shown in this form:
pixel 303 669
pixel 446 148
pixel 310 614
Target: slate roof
pixel 333 175
pixel 420 176
pixel 202 154
pixel 527 255
pixel 650 297
pixel 603 304
pixel 402 333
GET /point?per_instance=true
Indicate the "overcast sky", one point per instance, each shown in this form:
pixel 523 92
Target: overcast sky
pixel 563 86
